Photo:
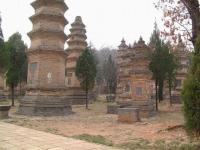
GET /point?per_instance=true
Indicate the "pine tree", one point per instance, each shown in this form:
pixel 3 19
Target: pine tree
pixel 86 72
pixel 191 94
pixel 2 59
pixel 16 62
pixel 158 63
pixel 172 66
pixel 2 53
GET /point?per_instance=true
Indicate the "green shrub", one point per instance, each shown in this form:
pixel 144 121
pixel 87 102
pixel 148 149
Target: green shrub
pixel 191 95
pixel 136 144
pixel 98 139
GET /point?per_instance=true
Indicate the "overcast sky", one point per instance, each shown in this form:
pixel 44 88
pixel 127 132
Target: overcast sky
pixel 107 21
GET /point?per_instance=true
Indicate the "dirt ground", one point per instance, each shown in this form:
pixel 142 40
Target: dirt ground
pixel 166 125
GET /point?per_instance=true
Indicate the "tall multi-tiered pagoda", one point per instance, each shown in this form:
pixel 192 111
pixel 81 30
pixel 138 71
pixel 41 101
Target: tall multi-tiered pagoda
pixel 123 63
pixel 76 45
pixel 46 61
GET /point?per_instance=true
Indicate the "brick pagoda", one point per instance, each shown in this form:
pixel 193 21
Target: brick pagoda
pixel 135 87
pixel 46 90
pixel 76 45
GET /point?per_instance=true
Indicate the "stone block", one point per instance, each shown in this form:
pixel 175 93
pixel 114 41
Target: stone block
pixel 4 110
pixel 112 108
pixel 128 115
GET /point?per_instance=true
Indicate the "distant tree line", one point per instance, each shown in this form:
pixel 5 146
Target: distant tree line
pixel 106 78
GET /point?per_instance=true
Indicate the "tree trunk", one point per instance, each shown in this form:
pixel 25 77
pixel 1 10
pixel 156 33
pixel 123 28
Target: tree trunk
pixel 86 94
pixel 13 94
pixel 156 83
pixel 193 9
pixel 20 88
pixel 86 100
pixel 170 92
pixel 160 90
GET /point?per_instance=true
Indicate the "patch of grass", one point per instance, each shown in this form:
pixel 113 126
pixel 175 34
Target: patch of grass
pixel 141 144
pixel 52 130
pixel 190 147
pixel 160 145
pixel 98 139
pixel 136 144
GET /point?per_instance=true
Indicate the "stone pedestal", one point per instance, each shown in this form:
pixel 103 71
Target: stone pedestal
pixel 128 115
pixel 45 105
pixel 146 108
pixel 4 111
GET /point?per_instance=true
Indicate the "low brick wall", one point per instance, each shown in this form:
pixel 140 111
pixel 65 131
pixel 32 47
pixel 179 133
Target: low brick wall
pixel 128 115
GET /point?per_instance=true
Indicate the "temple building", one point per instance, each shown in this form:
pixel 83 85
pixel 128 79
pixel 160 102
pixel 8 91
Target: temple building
pixel 46 89
pixel 135 84
pixel 183 56
pixel 76 45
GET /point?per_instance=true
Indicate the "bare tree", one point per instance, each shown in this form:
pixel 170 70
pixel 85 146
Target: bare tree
pixel 181 18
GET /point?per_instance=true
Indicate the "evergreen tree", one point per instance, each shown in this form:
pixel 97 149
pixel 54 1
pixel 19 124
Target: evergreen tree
pixel 191 94
pixel 2 53
pixel 172 66
pixel 156 68
pixel 16 64
pixel 158 63
pixel 2 59
pixel 86 72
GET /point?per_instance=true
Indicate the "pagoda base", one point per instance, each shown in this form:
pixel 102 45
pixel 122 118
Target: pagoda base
pixel 42 105
pixel 78 96
pixel 2 95
pixel 146 108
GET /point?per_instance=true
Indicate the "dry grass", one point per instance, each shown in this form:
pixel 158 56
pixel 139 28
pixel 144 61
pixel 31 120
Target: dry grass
pixel 96 123
pixel 5 102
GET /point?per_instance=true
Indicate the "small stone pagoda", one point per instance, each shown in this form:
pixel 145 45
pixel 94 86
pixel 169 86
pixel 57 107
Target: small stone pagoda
pixel 76 45
pixel 135 87
pixel 183 56
pixel 46 90
pixel 124 57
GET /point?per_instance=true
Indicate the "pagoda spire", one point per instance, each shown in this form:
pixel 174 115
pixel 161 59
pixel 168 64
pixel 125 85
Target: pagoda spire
pixel 123 44
pixel 77 37
pixel 141 41
pixel 76 42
